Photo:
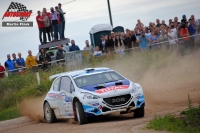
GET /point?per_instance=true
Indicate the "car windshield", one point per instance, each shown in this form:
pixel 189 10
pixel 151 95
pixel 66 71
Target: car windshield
pixel 99 78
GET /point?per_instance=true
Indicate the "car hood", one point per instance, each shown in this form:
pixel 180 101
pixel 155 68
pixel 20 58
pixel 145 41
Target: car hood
pixel 110 88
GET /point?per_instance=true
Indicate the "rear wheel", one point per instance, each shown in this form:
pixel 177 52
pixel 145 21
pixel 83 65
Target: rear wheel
pixel 138 113
pixel 49 113
pixel 80 114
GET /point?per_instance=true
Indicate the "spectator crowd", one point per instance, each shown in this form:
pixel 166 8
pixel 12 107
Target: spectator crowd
pixel 181 36
pixel 51 24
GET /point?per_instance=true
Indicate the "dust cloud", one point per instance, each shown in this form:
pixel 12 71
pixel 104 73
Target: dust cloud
pixel 33 108
pixel 166 78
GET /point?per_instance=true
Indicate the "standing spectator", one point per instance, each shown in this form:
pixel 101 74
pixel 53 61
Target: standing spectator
pixel 196 21
pixel 73 47
pixel 89 47
pixel 151 26
pixel 20 63
pixel 154 40
pixel 147 31
pixel 119 45
pixel 55 24
pixel 176 23
pixel 102 44
pixel 14 57
pixel 139 23
pixel 41 26
pixel 60 22
pixel 163 38
pixel 184 33
pixel 172 39
pixel 63 21
pixel 9 64
pixel 127 42
pixel 183 20
pixel 59 54
pixel 113 36
pixel 2 70
pixel 109 46
pixel 49 29
pixel 158 23
pixel 163 23
pixel 31 62
pixel 170 21
pixel 143 41
pixel 134 39
pixel 192 31
pixel 122 37
pixel 157 31
pixel 97 53
pixel 173 28
pixel 46 25
pixel 15 61
pixel 44 59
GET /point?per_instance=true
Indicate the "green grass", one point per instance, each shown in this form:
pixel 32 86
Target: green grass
pixel 10 113
pixel 187 122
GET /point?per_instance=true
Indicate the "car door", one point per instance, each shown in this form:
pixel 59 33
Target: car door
pixel 65 98
pixel 53 95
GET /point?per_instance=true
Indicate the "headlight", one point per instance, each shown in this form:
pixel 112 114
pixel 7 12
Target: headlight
pixel 89 96
pixel 135 89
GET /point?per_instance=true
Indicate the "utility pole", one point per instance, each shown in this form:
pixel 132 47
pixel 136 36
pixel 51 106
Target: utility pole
pixel 110 15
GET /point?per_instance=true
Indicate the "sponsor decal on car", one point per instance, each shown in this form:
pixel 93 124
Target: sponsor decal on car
pixel 92 110
pixel 94 103
pixel 111 88
pixel 67 99
pixel 140 101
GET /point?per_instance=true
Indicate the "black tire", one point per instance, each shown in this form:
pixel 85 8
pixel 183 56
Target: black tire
pixel 81 117
pixel 138 113
pixel 49 114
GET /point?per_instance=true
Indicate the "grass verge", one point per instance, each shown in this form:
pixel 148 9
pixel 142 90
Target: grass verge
pixel 187 122
pixel 10 113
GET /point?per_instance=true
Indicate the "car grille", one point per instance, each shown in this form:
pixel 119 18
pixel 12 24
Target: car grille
pixel 118 100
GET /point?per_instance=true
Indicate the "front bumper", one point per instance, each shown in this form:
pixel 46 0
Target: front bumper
pixel 102 106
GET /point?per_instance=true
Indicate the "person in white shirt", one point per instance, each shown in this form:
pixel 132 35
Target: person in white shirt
pixel 172 39
pixel 89 47
pixel 97 53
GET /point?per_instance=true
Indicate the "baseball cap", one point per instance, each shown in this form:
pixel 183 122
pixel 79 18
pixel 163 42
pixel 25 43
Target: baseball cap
pixel 184 16
pixel 56 7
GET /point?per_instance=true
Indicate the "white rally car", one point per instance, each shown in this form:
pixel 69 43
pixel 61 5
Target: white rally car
pixel 92 92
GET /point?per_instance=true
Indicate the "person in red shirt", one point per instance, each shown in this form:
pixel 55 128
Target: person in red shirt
pixel 41 26
pixel 49 29
pixel 2 70
pixel 184 33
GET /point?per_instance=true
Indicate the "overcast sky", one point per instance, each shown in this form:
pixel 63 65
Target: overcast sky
pixel 82 15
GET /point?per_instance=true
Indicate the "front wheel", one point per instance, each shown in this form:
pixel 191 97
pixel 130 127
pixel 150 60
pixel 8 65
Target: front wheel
pixel 49 113
pixel 82 119
pixel 138 113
